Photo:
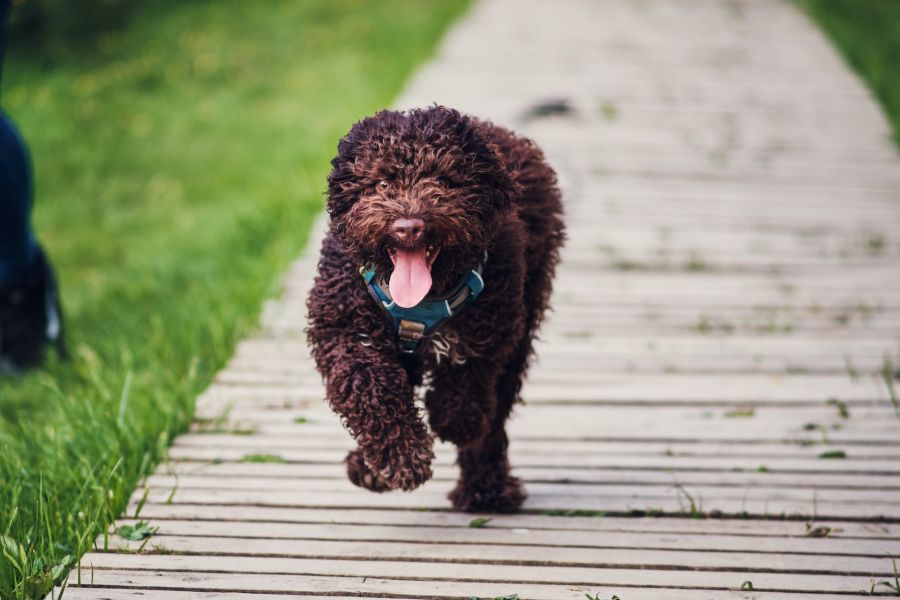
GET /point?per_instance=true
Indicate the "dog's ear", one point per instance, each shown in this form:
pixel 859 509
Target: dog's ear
pixel 489 164
pixel 341 181
pixel 354 156
pixel 503 187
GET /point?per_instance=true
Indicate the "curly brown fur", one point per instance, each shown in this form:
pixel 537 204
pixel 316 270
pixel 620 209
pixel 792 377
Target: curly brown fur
pixel 477 187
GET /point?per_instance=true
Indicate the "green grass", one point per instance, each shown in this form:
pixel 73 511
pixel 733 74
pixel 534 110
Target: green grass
pixel 833 454
pixel 893 585
pixel 262 458
pixel 178 162
pixel 867 32
pixel 137 532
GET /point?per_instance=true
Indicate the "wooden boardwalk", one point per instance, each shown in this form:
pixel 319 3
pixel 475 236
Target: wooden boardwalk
pixel 727 300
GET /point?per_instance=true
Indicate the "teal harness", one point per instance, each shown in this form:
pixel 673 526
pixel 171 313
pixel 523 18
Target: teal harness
pixel 414 325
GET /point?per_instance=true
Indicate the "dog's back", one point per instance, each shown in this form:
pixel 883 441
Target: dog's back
pixel 539 206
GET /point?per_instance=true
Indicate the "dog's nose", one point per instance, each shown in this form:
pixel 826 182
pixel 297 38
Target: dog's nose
pixel 409 230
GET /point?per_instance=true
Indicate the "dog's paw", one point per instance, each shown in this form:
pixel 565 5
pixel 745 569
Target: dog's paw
pixel 409 467
pixel 361 475
pixel 398 467
pixel 502 494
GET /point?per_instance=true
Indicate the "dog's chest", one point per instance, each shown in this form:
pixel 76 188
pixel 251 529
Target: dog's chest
pixel 446 347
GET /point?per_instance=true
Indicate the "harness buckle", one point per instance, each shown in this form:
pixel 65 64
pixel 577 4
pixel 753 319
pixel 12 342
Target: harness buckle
pixel 410 334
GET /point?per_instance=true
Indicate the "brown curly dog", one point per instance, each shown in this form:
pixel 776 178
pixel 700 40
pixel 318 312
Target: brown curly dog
pixel 436 272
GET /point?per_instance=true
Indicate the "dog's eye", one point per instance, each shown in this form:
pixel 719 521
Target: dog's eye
pixel 383 185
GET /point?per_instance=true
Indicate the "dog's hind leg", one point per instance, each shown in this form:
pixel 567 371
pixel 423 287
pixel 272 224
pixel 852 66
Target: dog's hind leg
pixel 461 403
pixel 485 483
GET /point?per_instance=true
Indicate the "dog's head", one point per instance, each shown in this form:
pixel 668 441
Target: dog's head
pixel 418 194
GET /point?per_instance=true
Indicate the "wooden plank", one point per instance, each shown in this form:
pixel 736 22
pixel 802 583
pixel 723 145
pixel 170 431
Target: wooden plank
pixel 433 497
pixel 222 472
pixel 733 425
pixel 413 518
pixel 713 428
pixel 571 448
pixel 609 396
pixel 464 572
pixel 187 586
pixel 692 345
pixel 600 491
pixel 699 463
pixel 711 542
pixel 103 593
pixel 519 555
pixel 670 386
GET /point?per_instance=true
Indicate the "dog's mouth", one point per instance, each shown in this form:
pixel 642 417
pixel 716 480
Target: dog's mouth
pixel 410 281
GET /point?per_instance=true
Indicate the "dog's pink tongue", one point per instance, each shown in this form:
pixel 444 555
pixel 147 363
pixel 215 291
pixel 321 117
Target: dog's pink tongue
pixel 411 279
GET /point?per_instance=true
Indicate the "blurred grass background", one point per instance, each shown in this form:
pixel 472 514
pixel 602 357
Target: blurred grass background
pixel 867 32
pixel 180 153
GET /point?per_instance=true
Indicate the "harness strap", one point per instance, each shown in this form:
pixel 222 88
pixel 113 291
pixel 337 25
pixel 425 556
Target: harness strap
pixel 413 326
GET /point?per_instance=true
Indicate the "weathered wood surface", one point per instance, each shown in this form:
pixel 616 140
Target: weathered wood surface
pixel 729 288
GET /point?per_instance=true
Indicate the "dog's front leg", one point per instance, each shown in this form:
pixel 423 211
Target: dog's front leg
pixel 372 393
